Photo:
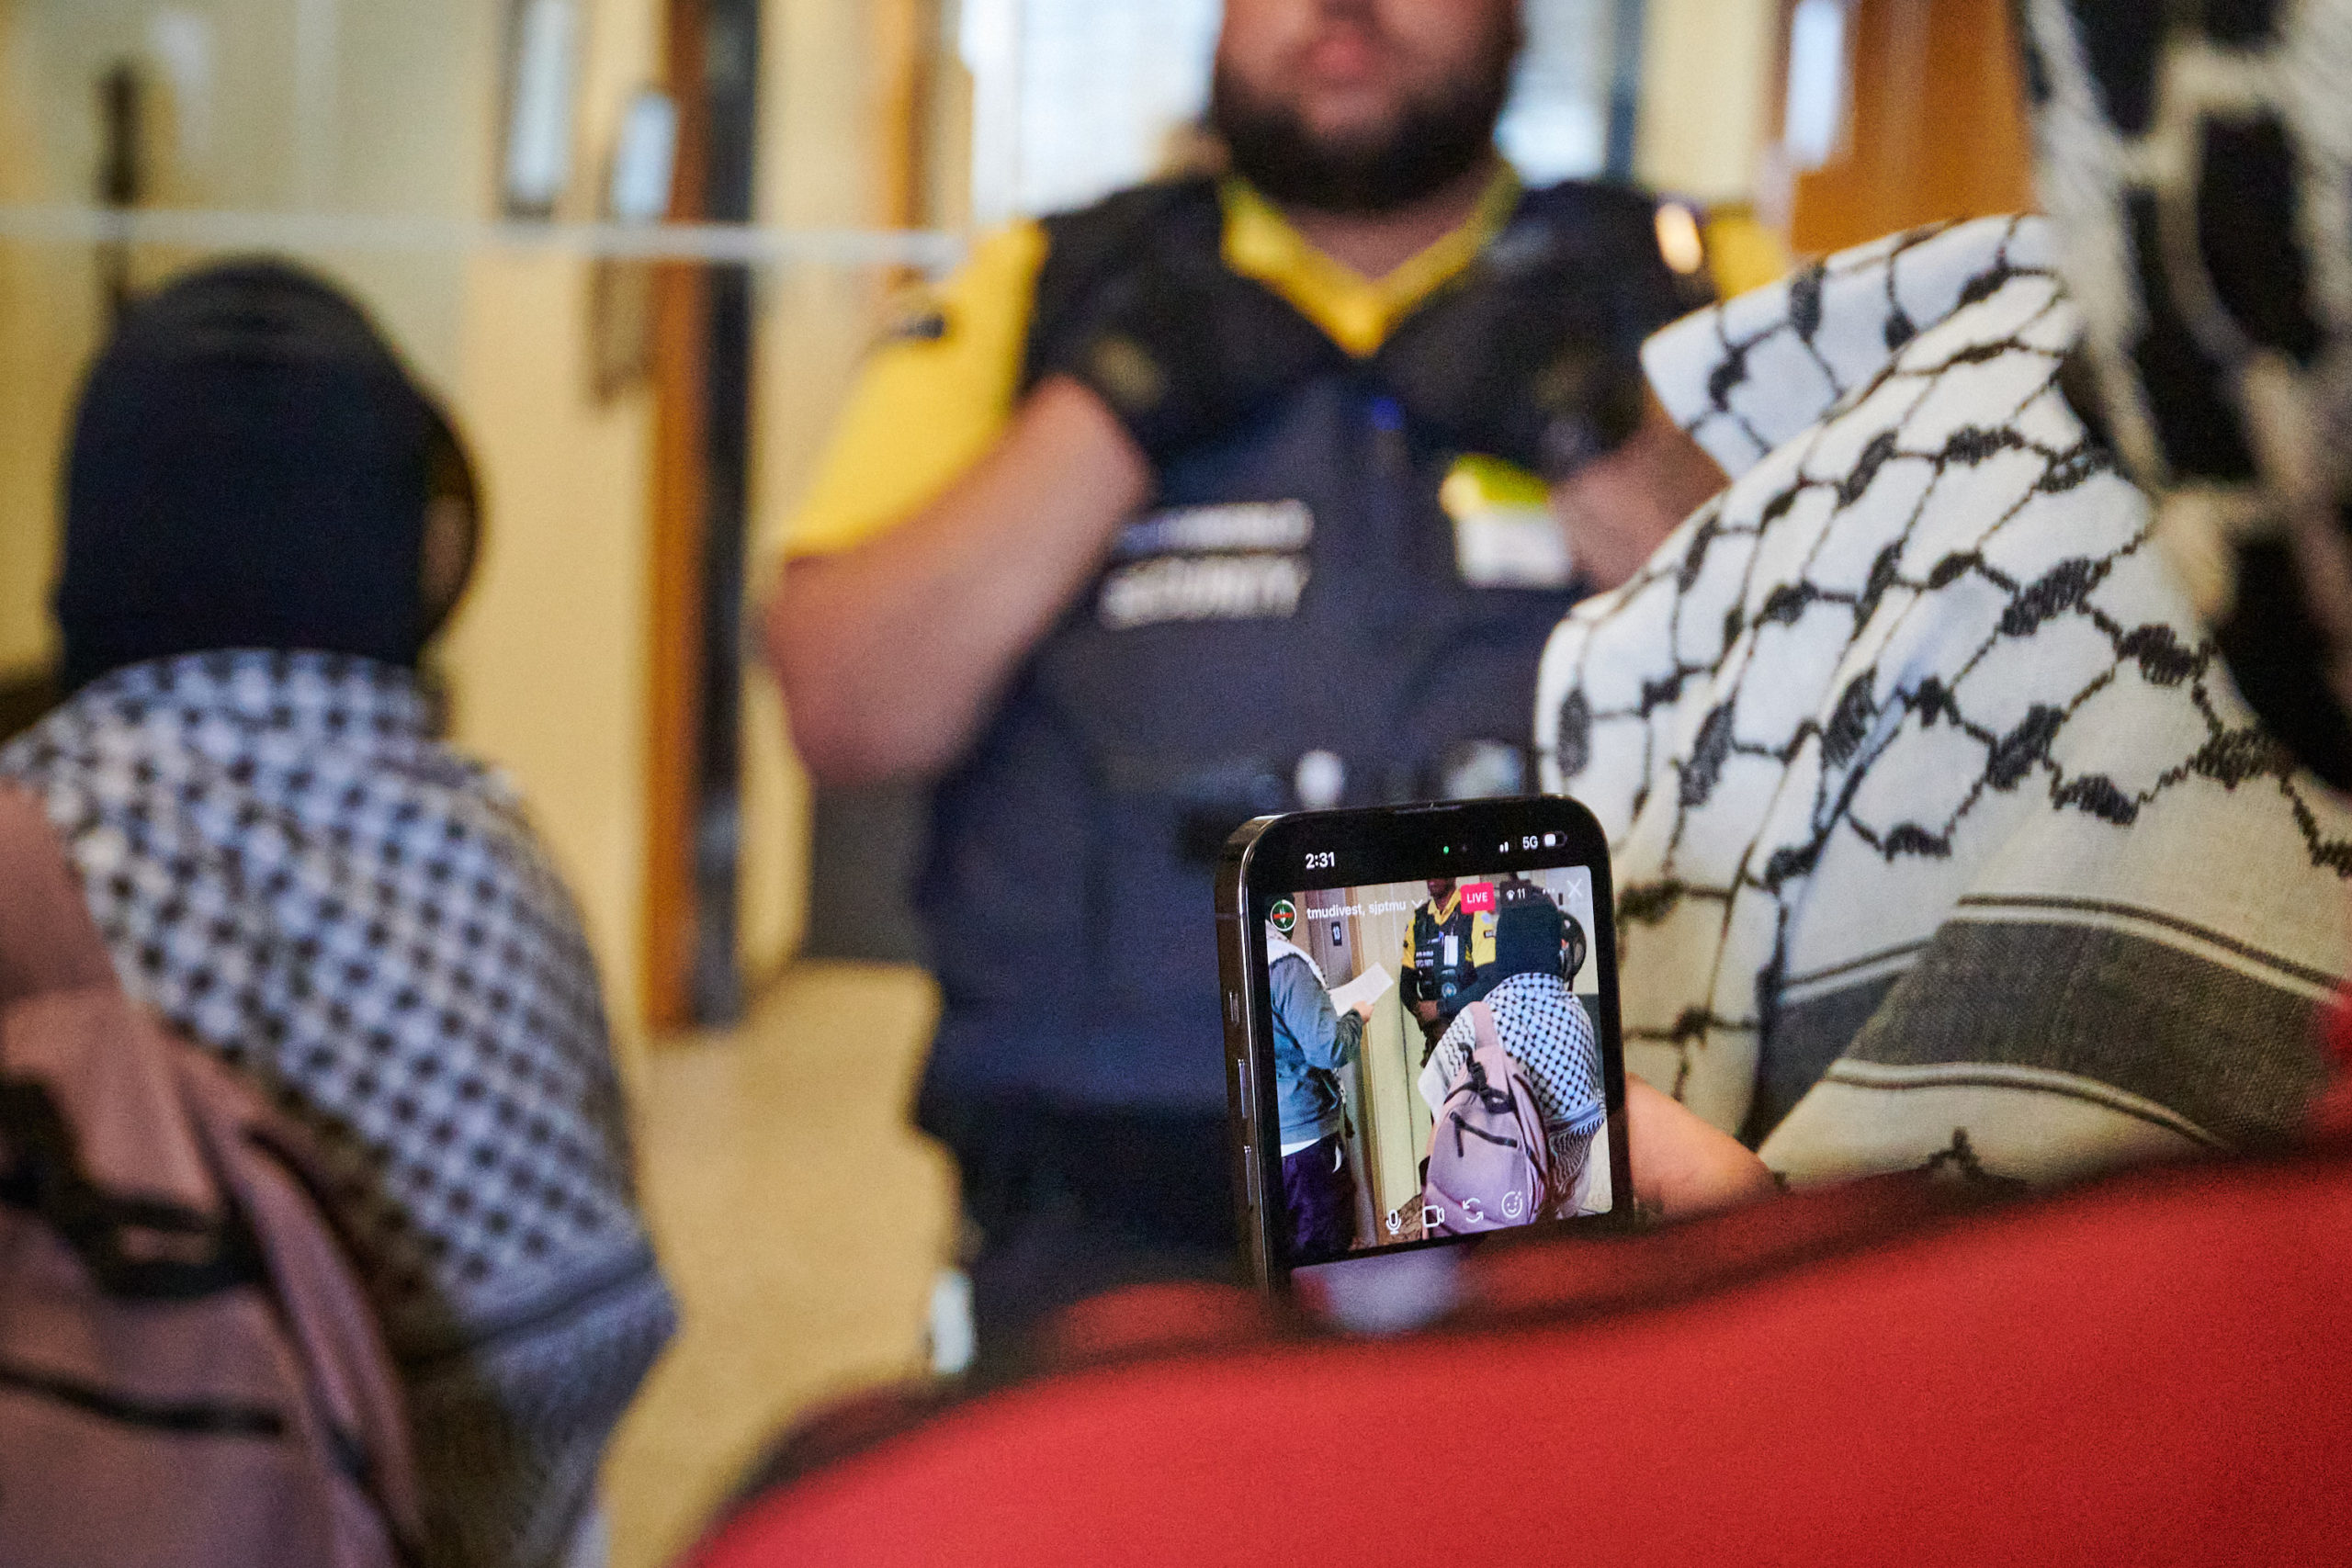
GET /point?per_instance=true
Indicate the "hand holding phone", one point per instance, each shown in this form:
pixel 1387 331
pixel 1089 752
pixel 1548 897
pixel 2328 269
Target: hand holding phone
pixel 1686 1165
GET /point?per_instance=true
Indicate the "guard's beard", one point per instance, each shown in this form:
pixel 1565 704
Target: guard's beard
pixel 1431 141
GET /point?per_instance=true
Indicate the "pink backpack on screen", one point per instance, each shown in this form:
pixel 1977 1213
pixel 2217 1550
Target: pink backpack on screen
pixel 1489 1165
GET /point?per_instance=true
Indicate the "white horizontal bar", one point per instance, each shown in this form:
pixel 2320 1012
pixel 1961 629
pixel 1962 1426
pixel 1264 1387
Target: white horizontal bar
pixel 298 232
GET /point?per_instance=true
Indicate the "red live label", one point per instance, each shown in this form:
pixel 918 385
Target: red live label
pixel 1477 898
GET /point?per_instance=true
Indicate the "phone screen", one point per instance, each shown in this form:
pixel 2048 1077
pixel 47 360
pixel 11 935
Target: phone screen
pixel 1437 1054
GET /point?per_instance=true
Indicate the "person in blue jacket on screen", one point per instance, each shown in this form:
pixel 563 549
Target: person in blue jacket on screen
pixel 1312 1043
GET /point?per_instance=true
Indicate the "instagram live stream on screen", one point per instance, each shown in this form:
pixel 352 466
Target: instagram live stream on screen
pixel 1472 1099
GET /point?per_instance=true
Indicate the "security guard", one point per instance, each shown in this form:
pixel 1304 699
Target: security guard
pixel 1223 496
pixel 1445 947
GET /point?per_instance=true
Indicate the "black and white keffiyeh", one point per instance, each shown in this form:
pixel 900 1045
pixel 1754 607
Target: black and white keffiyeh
pixel 1942 835
pixel 2197 160
pixel 292 871
pixel 1546 1031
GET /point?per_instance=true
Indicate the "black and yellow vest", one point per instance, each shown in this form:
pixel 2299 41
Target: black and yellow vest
pixel 1297 590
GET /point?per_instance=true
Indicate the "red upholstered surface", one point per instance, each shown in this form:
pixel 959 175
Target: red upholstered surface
pixel 2155 1371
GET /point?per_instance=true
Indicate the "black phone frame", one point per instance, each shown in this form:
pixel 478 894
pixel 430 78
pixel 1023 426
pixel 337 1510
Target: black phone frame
pixel 1264 861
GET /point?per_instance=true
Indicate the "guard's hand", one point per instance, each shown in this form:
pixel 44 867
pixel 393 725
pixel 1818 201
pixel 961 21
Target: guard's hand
pixel 1532 356
pixel 1683 1165
pixel 1182 352
pixel 1618 509
pixel 1550 397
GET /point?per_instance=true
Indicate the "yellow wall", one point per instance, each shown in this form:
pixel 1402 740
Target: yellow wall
pixel 550 661
pixel 816 170
pixel 547 659
pixel 1705 74
pixel 48 317
pixel 410 105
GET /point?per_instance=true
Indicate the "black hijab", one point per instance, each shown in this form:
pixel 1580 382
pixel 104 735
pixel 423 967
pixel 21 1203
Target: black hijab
pixel 1530 937
pixel 252 467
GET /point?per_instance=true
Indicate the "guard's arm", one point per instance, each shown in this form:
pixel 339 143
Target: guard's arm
pixel 891 652
pixel 1618 508
pixel 1408 978
pixel 894 651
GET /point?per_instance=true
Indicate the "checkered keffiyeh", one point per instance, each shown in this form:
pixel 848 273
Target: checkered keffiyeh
pixel 1547 1032
pixel 292 871
pixel 1941 834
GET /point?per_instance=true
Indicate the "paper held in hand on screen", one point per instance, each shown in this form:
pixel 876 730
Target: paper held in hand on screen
pixel 1363 991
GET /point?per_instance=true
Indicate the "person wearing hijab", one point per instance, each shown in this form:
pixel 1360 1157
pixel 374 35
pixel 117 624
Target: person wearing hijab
pixel 266 522
pixel 1942 754
pixel 1545 1028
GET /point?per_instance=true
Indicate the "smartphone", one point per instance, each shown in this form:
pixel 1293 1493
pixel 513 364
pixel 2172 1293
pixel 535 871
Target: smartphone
pixel 1480 1090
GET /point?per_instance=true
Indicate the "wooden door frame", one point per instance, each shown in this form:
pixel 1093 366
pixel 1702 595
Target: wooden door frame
pixel 1934 127
pixel 697 511
pixel 674 698
pixel 701 395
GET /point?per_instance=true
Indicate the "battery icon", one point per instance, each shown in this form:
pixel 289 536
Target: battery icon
pixel 1550 840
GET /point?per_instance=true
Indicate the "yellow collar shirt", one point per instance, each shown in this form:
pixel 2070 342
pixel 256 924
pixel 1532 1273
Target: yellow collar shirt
pixel 939 390
pixel 1355 311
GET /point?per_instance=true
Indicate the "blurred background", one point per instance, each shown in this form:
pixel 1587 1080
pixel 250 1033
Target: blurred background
pixel 638 247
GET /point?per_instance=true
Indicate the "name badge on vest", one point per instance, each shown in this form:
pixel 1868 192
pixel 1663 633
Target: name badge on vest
pixel 1505 535
pixel 1237 562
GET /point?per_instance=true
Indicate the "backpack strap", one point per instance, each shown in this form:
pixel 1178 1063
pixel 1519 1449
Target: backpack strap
pixel 55 975
pixel 48 941
pixel 1461 1126
pixel 1486 1041
pixel 1482 1028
